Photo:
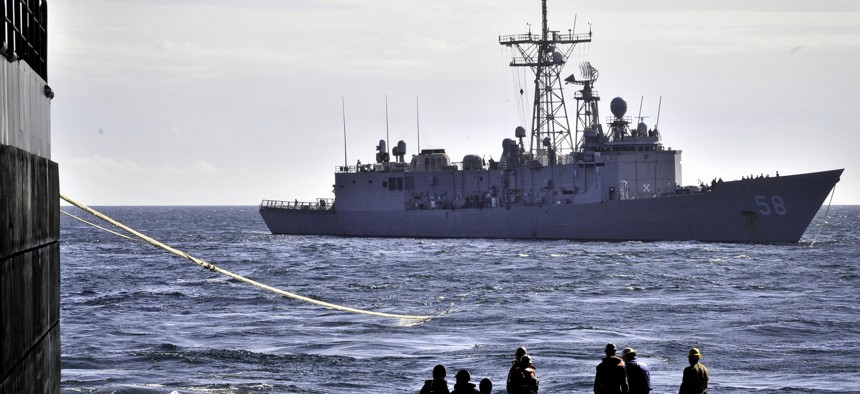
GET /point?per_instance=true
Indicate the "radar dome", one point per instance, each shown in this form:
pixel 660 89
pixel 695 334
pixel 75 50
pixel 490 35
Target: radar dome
pixel 557 57
pixel 618 107
pixel 520 132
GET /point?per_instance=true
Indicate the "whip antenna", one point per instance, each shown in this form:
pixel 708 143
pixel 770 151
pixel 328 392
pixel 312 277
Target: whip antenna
pixel 343 111
pixel 417 124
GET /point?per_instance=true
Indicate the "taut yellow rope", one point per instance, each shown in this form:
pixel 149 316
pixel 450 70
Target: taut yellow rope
pixel 213 268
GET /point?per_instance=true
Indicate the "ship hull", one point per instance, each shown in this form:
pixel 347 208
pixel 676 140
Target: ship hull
pixel 765 210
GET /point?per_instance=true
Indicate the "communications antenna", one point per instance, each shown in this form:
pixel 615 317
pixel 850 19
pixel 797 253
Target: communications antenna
pixel 589 132
pixel 546 54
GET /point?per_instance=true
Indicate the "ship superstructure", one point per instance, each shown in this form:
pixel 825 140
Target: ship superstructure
pixel 616 182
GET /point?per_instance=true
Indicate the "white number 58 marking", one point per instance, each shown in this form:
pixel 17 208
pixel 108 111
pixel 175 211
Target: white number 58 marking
pixel 773 205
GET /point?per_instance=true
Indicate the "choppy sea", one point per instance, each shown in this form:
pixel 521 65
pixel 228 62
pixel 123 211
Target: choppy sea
pixel 135 319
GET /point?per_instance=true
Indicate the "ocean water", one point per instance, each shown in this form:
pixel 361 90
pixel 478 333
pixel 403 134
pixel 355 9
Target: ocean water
pixel 135 319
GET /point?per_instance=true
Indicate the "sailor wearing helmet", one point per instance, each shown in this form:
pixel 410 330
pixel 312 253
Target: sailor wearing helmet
pixel 695 380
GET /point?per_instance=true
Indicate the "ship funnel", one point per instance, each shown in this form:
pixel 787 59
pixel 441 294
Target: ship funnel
pixel 510 154
pixel 618 107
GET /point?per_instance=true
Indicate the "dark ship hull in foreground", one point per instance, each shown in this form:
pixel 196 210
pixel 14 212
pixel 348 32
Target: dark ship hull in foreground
pixel 618 184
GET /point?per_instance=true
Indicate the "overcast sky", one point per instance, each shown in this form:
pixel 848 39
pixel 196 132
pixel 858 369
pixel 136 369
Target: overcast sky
pixel 228 102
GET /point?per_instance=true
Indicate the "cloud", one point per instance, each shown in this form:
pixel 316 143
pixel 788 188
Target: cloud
pixel 101 165
pixel 199 167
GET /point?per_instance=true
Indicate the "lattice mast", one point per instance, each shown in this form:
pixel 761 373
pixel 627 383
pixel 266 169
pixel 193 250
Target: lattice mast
pixel 587 115
pixel 546 54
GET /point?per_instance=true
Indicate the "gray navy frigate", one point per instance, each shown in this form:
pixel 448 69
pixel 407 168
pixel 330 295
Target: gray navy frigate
pixel 612 181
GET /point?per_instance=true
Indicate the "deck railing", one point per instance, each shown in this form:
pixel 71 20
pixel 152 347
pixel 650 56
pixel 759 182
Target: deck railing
pixel 552 36
pixel 321 204
pixel 24 33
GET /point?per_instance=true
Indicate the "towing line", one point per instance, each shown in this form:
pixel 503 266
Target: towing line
pixel 213 268
pixel 824 220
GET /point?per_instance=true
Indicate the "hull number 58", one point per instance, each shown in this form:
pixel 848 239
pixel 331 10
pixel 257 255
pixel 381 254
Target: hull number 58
pixel 774 204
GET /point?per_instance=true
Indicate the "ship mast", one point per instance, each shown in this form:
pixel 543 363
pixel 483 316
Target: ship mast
pixel 546 54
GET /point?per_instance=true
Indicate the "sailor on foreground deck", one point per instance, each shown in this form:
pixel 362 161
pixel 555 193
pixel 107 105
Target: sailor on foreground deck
pixel 613 375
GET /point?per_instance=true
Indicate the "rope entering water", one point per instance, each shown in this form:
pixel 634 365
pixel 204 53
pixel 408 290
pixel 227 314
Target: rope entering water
pixel 222 271
pixel 823 221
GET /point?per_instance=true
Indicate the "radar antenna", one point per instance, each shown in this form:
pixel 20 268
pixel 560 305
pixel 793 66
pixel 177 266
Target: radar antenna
pixel 589 132
pixel 546 54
